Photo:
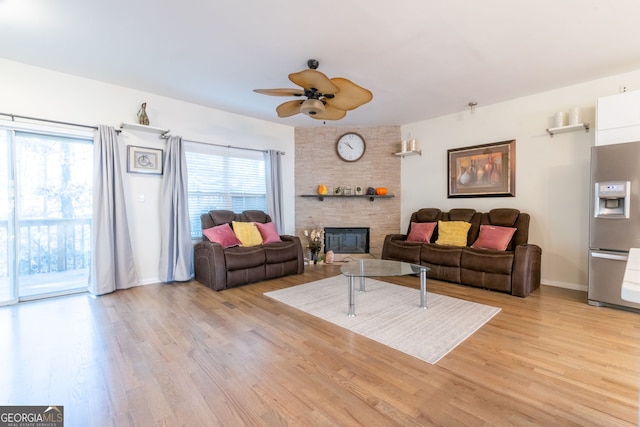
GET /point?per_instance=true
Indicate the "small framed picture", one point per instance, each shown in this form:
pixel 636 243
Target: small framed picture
pixel 338 191
pixel 145 160
pixel 359 191
pixel 347 191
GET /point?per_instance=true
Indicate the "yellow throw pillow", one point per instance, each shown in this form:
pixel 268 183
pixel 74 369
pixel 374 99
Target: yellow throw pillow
pixel 247 233
pixel 453 233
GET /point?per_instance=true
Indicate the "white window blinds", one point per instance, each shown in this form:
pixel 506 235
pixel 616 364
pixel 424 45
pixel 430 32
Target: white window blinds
pixel 223 178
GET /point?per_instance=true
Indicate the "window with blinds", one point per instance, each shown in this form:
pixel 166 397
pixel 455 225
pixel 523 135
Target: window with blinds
pixel 223 178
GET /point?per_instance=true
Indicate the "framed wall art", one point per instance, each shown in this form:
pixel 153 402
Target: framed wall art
pixel 145 160
pixel 487 170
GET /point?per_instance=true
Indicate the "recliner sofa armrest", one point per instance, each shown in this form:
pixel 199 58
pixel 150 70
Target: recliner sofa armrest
pixel 387 239
pixel 391 249
pixel 296 239
pixel 526 270
pixel 211 268
pixel 395 237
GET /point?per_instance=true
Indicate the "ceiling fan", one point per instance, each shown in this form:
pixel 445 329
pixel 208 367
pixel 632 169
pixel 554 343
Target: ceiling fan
pixel 327 99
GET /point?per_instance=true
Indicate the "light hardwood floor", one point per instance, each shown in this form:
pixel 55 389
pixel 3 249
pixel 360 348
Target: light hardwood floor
pixel 184 355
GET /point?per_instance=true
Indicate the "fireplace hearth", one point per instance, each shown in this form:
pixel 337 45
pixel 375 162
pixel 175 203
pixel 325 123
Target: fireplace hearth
pixel 346 240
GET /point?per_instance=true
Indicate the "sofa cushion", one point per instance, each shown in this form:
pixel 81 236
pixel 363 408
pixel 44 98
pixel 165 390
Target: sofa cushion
pixel 280 252
pixel 427 215
pixel 268 232
pixel 453 233
pixel 242 257
pixel 401 250
pixel 441 255
pixel 487 261
pixel 222 216
pixel 247 233
pixel 256 216
pixel 504 217
pixel 494 237
pixel 461 214
pixel 222 234
pixel 421 231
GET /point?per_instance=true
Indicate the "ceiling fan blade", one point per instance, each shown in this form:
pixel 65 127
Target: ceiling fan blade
pixel 351 95
pixel 280 92
pixel 314 79
pixel 330 113
pixel 289 108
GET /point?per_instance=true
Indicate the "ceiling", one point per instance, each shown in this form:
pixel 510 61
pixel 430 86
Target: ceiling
pixel 420 58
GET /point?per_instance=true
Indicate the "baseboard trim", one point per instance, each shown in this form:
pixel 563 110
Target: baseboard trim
pixel 565 285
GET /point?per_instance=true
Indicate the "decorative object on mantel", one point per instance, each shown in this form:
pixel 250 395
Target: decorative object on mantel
pixel 371 191
pixel 371 197
pixel 322 189
pixel 381 191
pixel 329 257
pixel 143 119
pixel 359 190
pixel 315 240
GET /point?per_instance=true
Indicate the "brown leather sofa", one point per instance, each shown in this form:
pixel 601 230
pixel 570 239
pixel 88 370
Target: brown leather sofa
pixel 220 268
pixel 515 270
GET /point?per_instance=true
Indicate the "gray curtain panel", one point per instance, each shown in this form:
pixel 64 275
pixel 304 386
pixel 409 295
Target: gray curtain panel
pixel 273 172
pixel 176 248
pixel 112 265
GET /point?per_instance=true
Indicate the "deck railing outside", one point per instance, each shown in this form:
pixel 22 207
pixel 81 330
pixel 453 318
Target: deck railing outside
pixel 49 249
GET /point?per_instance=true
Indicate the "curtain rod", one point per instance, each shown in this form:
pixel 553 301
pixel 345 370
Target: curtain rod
pixel 14 116
pixel 166 136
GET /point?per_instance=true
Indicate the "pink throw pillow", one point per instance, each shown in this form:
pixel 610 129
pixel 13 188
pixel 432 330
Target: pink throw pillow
pixel 268 232
pixel 222 234
pixel 494 237
pixel 421 231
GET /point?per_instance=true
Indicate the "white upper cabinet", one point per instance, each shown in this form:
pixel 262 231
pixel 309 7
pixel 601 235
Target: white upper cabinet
pixel 618 118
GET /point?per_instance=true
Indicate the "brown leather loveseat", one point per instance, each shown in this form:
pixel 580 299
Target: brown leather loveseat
pixel 515 270
pixel 222 268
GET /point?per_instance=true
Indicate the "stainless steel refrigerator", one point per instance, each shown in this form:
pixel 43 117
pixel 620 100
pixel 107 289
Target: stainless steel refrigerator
pixel 614 220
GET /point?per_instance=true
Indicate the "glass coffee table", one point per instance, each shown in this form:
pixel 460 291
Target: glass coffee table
pixel 381 268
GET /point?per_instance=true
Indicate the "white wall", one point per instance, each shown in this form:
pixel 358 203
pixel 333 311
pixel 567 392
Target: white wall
pixel 36 92
pixel 552 174
pixel 551 180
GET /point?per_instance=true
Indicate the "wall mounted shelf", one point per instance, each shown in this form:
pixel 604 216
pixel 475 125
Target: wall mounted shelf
pixel 408 153
pixel 144 128
pixel 321 197
pixel 570 128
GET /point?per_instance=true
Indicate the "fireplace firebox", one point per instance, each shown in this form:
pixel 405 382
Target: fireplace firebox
pixel 346 240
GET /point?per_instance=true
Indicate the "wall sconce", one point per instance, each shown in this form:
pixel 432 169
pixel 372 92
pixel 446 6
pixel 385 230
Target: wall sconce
pixel 472 106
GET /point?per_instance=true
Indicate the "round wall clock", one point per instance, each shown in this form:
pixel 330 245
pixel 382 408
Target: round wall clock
pixel 350 147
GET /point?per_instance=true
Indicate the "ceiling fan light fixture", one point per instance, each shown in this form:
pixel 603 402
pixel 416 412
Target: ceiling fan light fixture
pixel 311 107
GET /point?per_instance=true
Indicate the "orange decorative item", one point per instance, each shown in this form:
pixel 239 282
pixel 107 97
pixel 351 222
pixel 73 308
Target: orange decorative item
pixel 381 191
pixel 322 189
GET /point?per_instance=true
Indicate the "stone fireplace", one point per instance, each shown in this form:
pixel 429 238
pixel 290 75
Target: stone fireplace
pixel 316 162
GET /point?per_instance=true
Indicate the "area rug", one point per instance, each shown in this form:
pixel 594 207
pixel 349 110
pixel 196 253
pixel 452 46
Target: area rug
pixel 390 314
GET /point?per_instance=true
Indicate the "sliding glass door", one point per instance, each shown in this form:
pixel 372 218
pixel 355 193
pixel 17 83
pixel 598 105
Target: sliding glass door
pixel 8 292
pixel 48 219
